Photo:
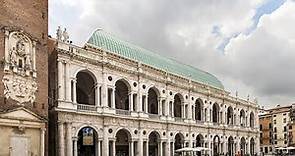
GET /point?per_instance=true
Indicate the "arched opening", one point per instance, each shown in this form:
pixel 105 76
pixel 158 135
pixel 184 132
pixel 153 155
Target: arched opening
pixel 154 140
pixel 230 116
pixel 252 146
pixel 85 88
pixel 87 142
pixel 215 113
pixel 177 106
pixel 199 143
pixel 230 146
pixel 198 110
pixel 123 138
pixel 252 120
pixel 179 141
pixel 242 118
pixel 216 144
pixel 152 101
pixel 121 95
pixel 243 146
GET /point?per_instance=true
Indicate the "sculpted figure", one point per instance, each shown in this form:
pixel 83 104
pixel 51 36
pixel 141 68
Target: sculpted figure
pixel 65 36
pixel 58 33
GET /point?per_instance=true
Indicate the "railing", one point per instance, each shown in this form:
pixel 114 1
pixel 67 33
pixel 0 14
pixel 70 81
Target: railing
pixel 154 116
pixel 178 119
pixel 199 121
pixel 86 107
pixel 123 112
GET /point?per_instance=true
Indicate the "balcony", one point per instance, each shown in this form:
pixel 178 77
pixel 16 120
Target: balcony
pixel 123 112
pixel 86 107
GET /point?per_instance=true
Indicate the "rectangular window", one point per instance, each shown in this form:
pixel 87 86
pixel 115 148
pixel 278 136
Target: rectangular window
pixel 285 120
pixel 290 127
pixel 285 128
pixel 266 149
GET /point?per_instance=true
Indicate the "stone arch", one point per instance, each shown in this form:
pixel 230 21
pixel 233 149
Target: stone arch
pixel 122 94
pixel 252 122
pixel 230 115
pixel 243 146
pixel 87 143
pixel 177 106
pixel 85 87
pixel 153 143
pixel 153 100
pixel 178 141
pixel 230 147
pixel 199 106
pixel 123 138
pixel 216 145
pixel 242 118
pixel 199 140
pixel 252 146
pixel 87 125
pixel 215 113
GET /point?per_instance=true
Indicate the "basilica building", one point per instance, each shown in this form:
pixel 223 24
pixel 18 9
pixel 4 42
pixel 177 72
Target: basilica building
pixel 113 98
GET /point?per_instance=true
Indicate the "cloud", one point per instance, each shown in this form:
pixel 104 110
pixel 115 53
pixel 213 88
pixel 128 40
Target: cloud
pixel 258 64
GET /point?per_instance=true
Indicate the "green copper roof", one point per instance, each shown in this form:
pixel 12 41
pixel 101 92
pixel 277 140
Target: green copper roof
pixel 109 42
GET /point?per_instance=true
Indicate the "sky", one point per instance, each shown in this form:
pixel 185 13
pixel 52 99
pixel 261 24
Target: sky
pixel 248 45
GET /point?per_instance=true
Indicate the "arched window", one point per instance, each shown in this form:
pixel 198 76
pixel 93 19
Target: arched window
pixel 179 141
pixel 154 141
pixel 230 116
pixel 153 101
pixel 199 140
pixel 85 88
pixel 121 95
pixel 252 146
pixel 198 110
pixel 87 141
pixel 230 146
pixel 216 145
pixel 123 138
pixel 243 146
pixel 252 120
pixel 177 106
pixel 215 113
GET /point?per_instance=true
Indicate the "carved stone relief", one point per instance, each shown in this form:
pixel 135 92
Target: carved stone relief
pixel 20 69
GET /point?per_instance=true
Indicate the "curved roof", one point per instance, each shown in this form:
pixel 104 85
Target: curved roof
pixel 109 42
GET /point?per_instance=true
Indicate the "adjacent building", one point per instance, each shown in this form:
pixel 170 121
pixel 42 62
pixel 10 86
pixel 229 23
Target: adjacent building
pixel 276 128
pixel 111 97
pixel 24 78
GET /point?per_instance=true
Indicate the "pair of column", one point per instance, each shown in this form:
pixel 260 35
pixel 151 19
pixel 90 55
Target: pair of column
pixel 62 139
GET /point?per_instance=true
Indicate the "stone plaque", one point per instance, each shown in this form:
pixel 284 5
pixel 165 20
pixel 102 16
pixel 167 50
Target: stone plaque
pixel 19 146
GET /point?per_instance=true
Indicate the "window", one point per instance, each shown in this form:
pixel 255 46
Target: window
pixel 284 114
pixel 285 128
pixel 260 127
pixel 275 136
pixel 285 142
pixel 270 125
pixel 274 121
pixel 274 116
pixel 275 130
pixel 285 136
pixel 266 149
pixel 285 120
pixel 270 149
pixel 276 142
pixel 290 127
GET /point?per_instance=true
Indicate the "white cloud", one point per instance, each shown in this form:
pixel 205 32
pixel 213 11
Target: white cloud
pixel 258 64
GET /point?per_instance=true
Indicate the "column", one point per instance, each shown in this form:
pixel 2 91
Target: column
pixel 172 148
pixel 42 142
pixel 75 142
pixel 146 104
pixel 160 152
pixel 147 148
pixel 69 139
pixel 6 46
pixel 104 91
pixel 67 82
pixel 114 147
pixel 74 90
pixel 224 147
pixel 167 148
pixel 131 101
pixel 61 139
pixel 190 111
pixel 98 148
pixel 167 108
pixel 113 101
pixel 105 142
pixel 139 100
pixel 97 93
pixel 60 80
pixel 248 146
pixel 183 110
pixel 140 146
pixel 172 109
pixel 160 107
pixel 131 148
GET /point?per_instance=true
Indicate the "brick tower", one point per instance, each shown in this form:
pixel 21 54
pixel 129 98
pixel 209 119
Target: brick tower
pixel 24 77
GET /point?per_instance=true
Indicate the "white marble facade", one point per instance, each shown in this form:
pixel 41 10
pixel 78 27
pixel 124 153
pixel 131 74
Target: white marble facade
pixel 220 122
